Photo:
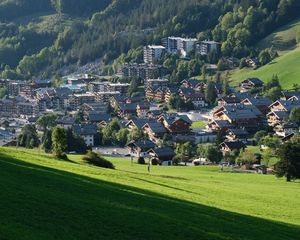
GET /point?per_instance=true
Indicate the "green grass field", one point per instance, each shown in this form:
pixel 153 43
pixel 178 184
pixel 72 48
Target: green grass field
pixel 198 124
pixel 42 198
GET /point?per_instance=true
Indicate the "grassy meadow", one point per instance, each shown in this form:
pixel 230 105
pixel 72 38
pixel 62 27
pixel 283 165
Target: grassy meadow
pixel 42 198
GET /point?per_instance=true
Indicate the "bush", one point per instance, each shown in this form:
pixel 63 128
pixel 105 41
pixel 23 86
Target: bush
pixel 94 159
pixel 141 160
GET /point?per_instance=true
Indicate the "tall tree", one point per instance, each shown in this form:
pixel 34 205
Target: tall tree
pixel 59 142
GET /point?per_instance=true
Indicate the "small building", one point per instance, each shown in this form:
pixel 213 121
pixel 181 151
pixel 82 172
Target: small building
pixel 65 122
pixel 87 132
pixel 140 148
pixel 235 134
pixel 276 117
pixel 155 130
pixel 251 83
pixel 162 156
pixel 230 146
pixel 285 129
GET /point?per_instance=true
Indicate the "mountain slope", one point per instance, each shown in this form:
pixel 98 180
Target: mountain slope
pixel 42 198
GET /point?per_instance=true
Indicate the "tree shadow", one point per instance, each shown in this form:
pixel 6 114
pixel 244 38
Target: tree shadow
pixel 43 203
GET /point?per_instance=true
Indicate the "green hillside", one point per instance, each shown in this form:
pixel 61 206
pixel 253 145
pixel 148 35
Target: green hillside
pixel 286 67
pixel 42 198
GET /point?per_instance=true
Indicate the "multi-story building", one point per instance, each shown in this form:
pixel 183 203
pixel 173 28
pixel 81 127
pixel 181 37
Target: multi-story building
pixel 98 86
pixel 153 53
pixel 122 88
pixel 206 47
pixel 179 45
pixel 155 83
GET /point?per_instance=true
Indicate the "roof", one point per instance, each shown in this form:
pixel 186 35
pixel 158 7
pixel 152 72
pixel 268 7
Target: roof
pixel 238 131
pixel 98 116
pixel 255 81
pixel 222 123
pixel 279 114
pixel 128 107
pixel 256 101
pixel 163 152
pixel 65 120
pixel 89 129
pixel 156 127
pixel 143 144
pixel 174 117
pixel 234 145
pixel 140 122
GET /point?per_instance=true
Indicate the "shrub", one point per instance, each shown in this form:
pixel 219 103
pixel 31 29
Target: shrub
pixel 141 160
pixel 94 159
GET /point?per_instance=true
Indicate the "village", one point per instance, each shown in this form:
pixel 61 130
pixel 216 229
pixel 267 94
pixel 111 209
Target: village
pixel 161 121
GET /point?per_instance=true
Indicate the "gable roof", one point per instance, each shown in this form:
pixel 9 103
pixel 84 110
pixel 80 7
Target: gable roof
pixel 87 129
pixel 233 145
pixel 156 127
pixel 142 144
pixel 163 152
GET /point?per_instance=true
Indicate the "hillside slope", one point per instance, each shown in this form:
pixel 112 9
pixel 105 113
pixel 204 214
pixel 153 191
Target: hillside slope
pixel 42 198
pixel 286 66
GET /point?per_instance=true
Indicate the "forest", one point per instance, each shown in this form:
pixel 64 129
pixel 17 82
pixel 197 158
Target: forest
pixel 92 30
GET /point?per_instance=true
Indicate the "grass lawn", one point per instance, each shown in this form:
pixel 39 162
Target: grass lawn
pixel 42 198
pixel 198 124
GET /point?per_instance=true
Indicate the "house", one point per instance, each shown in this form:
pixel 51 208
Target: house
pixel 230 146
pixel 285 106
pixel 193 83
pixel 122 88
pixel 98 117
pixel 126 110
pixel 251 83
pixel 87 132
pixel 285 129
pixel 176 124
pixel 228 100
pixel 276 117
pixel 154 130
pixel 156 83
pixel 219 126
pixel 290 95
pixel 140 148
pixel 235 134
pixel 142 109
pixel 262 103
pixel 206 47
pixel 138 123
pixel 154 114
pixel 252 62
pixel 162 156
pixel 65 122
pixel 169 92
pixel 196 97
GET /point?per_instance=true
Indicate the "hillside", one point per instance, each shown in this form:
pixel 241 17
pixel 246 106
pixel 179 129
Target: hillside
pixel 286 66
pixel 42 198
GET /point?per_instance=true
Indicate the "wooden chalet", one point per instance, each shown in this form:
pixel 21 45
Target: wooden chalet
pixel 235 134
pixel 162 156
pixel 276 117
pixel 142 109
pixel 219 126
pixel 251 83
pixel 140 148
pixel 194 84
pixel 154 130
pixel 230 146
pixel 176 124
pixel 285 129
pixel 196 97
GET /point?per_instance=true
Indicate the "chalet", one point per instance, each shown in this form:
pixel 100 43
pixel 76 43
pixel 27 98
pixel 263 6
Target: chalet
pixel 176 124
pixel 285 106
pixel 154 130
pixel 170 91
pixel 142 109
pixel 65 122
pixel 162 156
pixel 194 84
pixel 285 129
pixel 98 117
pixel 252 62
pixel 87 132
pixel 196 97
pixel 219 126
pixel 276 117
pixel 154 114
pixel 251 83
pixel 290 95
pixel 228 100
pixel 157 94
pixel 115 101
pixel 140 148
pixel 262 103
pixel 230 146
pixel 138 123
pixel 235 134
pixel 126 110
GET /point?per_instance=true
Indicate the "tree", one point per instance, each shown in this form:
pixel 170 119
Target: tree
pixel 185 151
pixel 274 93
pixel 271 142
pixel 122 136
pixel 246 157
pixel 258 136
pixel 47 121
pixel 3 92
pixel 289 164
pixel 28 137
pixel 59 142
pixel 92 158
pixel 210 93
pixel 295 115
pixel 264 57
pixel 214 154
pixel 47 140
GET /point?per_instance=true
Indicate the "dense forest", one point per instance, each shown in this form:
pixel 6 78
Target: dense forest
pixel 82 31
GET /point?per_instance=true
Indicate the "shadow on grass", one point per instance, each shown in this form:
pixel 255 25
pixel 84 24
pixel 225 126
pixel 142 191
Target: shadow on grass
pixel 43 203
